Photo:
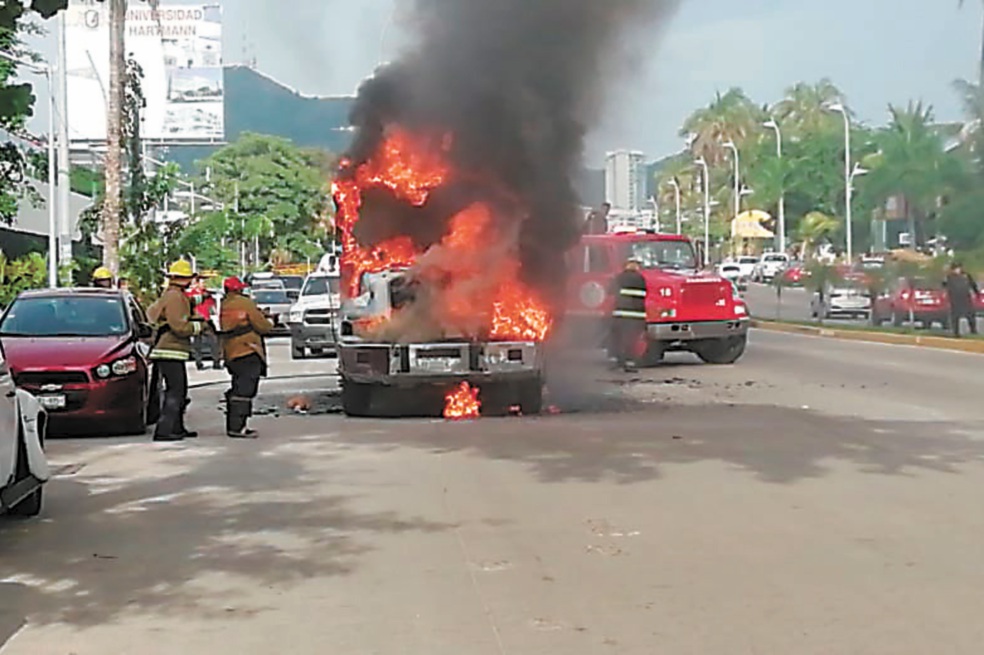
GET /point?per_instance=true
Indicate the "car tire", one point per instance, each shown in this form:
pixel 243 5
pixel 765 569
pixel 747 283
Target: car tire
pixel 297 352
pixel 356 399
pixel 31 505
pixel 721 351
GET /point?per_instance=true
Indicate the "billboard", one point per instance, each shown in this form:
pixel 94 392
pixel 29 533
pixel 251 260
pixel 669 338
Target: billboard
pixel 179 48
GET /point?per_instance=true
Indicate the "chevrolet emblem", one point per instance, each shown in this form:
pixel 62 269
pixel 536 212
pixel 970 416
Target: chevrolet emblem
pixel 51 387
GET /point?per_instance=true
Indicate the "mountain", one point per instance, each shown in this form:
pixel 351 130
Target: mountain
pixel 255 102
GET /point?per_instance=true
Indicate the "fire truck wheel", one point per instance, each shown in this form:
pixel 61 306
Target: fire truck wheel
pixel 356 398
pixel 721 351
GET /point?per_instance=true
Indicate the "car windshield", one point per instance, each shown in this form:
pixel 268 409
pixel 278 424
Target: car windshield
pixel 65 316
pixel 664 254
pixel 271 297
pixel 774 258
pixel 747 260
pixel 292 282
pixel 922 284
pixel 320 286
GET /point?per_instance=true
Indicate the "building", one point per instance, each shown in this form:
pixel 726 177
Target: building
pixel 626 180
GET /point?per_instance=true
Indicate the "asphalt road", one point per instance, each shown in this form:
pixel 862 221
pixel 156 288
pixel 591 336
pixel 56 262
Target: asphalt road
pixel 820 497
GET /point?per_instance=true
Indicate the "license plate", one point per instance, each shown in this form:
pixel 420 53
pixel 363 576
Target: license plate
pixel 52 402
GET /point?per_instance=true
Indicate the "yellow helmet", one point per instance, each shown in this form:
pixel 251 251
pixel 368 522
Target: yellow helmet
pixel 180 268
pixel 102 273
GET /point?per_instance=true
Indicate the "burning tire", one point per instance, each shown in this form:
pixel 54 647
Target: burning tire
pixel 721 351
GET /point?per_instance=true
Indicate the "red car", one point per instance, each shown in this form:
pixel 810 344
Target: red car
pixel 794 275
pixel 83 354
pixel 919 300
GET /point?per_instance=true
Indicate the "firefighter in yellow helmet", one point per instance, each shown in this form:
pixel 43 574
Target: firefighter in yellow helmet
pixel 172 349
pixel 102 277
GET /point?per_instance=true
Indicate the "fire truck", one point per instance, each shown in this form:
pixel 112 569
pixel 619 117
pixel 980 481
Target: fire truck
pixel 687 308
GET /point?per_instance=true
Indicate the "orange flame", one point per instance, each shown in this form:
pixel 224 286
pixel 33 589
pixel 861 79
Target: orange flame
pixel 477 290
pixel 462 403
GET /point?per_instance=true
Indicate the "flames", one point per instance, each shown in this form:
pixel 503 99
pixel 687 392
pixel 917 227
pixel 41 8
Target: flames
pixel 472 272
pixel 462 403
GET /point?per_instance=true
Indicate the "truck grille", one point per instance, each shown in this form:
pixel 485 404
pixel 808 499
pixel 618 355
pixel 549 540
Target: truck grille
pixel 702 294
pixel 318 316
pixel 41 378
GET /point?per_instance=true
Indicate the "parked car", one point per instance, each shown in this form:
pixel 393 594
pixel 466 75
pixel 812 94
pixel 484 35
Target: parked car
pixel 275 303
pixel 917 300
pixel 747 265
pixel 23 468
pixel 844 298
pixel 769 265
pixel 732 271
pixel 293 284
pixel 314 317
pixel 83 354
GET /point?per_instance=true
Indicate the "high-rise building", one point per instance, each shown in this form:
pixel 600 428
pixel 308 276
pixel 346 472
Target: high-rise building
pixel 625 180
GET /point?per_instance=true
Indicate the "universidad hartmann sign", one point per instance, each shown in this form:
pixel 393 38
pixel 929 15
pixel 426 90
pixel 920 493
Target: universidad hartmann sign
pixel 179 48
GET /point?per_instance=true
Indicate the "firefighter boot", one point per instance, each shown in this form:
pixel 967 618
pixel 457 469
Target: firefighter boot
pixel 182 430
pixel 237 411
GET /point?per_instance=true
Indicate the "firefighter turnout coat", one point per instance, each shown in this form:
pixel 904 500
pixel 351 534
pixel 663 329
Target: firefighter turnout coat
pixel 171 314
pixel 242 326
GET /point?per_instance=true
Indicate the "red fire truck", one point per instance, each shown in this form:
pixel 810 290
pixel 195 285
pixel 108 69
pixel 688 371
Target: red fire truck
pixel 687 308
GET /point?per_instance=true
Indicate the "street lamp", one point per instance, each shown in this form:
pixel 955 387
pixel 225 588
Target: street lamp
pixel 773 125
pixel 45 69
pixel 839 108
pixel 730 145
pixel 707 209
pixel 676 194
pixel 656 223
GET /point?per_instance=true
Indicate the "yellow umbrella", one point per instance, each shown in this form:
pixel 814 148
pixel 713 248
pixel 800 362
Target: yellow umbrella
pixel 748 225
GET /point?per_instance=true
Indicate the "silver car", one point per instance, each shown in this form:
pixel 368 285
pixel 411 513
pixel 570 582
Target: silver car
pixel 275 303
pixel 841 299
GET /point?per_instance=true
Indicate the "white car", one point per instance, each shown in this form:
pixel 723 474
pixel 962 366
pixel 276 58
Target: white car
pixel 842 299
pixel 732 272
pixel 747 265
pixel 769 266
pixel 23 467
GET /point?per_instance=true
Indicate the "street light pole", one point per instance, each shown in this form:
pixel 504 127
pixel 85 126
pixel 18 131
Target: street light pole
pixel 64 155
pixel 676 194
pixel 782 196
pixel 45 69
pixel 848 192
pixel 707 210
pixel 730 145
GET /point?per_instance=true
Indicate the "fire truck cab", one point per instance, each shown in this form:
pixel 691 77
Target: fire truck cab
pixel 686 308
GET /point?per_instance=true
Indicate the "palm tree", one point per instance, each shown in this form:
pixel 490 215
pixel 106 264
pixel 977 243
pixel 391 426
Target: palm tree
pixel 813 229
pixel 803 110
pixel 912 163
pixel 731 116
pixel 960 4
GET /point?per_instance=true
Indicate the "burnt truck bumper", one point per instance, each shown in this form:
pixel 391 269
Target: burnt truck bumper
pixel 410 365
pixel 696 330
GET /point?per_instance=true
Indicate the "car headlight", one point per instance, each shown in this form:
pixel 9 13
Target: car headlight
pixel 103 370
pixel 295 316
pixel 125 366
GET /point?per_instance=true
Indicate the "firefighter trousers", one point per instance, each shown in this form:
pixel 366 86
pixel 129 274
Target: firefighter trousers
pixel 174 376
pixel 626 336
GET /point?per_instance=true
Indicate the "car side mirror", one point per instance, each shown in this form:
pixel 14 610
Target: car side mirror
pixel 144 331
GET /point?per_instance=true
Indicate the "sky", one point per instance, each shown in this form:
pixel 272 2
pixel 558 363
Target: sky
pixel 877 51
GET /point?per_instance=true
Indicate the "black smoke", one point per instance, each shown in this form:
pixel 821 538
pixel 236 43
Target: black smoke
pixel 518 83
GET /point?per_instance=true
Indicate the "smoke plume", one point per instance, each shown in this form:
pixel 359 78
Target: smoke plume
pixel 517 83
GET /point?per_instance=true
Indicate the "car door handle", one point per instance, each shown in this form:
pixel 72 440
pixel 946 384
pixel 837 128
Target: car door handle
pixel 10 394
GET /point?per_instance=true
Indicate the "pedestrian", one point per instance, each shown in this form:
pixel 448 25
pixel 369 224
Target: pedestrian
pixel 242 327
pixel 172 316
pixel 629 314
pixel 597 221
pixel 203 306
pixel 960 291
pixel 102 278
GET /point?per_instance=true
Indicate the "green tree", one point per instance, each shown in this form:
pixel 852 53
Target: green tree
pixel 279 188
pixel 912 163
pixel 731 116
pixel 803 111
pixel 27 272
pixel 813 230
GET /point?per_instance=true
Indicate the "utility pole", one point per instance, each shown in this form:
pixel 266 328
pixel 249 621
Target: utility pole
pixel 112 207
pixel 64 161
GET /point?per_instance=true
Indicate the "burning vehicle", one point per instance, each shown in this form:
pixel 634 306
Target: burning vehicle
pixel 455 202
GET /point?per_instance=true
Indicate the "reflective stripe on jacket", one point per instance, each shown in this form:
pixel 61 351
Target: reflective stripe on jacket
pixel 171 314
pixel 629 289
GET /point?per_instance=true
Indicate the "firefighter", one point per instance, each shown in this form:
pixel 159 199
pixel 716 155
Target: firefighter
pixel 242 327
pixel 960 290
pixel 203 307
pixel 172 350
pixel 102 278
pixel 629 314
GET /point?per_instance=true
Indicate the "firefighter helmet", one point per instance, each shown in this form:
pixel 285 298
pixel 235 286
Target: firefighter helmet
pixel 102 273
pixel 181 268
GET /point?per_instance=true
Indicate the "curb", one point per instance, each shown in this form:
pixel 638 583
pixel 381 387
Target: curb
pixel 975 346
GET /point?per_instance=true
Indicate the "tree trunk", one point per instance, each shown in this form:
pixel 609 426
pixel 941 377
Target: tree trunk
pixel 112 206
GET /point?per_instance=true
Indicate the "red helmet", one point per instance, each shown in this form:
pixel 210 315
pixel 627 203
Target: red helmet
pixel 233 284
